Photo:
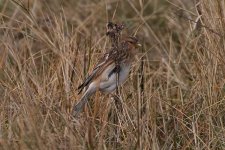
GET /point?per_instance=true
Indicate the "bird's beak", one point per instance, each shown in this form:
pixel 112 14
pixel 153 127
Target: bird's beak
pixel 139 45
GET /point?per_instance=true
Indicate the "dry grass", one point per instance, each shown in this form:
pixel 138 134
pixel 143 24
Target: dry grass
pixel 174 98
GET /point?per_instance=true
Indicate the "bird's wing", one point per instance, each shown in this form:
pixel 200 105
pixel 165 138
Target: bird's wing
pixel 105 61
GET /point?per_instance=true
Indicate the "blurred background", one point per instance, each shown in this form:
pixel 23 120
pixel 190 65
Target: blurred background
pixel 174 98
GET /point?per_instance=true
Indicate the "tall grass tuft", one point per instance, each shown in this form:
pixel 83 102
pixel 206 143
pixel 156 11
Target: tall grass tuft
pixel 174 98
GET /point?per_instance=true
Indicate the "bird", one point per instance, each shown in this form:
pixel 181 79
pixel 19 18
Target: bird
pixel 110 72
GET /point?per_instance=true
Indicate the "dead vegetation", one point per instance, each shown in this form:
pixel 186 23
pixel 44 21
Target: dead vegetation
pixel 174 98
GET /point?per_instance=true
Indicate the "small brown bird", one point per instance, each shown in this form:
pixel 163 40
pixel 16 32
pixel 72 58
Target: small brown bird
pixel 112 70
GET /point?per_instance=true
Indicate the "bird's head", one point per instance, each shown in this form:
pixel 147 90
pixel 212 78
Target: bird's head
pixel 133 41
pixel 131 44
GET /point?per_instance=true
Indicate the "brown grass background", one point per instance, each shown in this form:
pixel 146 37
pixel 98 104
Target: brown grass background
pixel 174 98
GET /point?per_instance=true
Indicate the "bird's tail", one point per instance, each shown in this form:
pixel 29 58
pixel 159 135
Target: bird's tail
pixel 84 99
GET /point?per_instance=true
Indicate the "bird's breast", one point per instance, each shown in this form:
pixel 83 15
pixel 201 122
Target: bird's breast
pixel 124 72
pixel 110 84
